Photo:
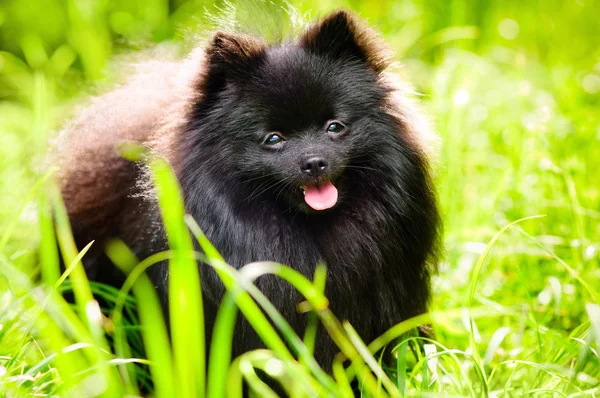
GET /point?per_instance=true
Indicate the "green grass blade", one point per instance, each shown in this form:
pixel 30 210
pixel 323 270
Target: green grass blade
pixel 87 306
pixel 401 366
pixel 363 351
pixel 81 288
pixel 312 324
pixel 48 250
pixel 244 366
pixel 73 264
pixel 154 330
pixel 339 373
pixel 220 347
pixel 186 310
pixel 122 350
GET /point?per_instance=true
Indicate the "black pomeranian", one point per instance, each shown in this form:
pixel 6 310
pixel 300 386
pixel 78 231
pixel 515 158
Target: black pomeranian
pixel 296 152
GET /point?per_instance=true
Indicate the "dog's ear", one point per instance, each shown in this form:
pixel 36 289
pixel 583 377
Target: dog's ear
pixel 234 51
pixel 230 57
pixel 341 35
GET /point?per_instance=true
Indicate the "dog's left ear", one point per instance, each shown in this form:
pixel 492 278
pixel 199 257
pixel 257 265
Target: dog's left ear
pixel 341 35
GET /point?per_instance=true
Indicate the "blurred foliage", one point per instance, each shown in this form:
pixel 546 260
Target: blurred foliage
pixel 512 86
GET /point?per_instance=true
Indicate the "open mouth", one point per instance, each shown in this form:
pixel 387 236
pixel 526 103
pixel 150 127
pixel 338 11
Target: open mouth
pixel 320 197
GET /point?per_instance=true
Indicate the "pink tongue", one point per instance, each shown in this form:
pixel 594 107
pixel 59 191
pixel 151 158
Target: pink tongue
pixel 320 197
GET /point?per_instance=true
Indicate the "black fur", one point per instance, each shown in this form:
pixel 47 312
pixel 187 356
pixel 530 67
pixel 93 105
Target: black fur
pixel 378 242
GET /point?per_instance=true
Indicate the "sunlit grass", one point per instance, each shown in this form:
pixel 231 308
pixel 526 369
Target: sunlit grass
pixel 436 369
pixel 513 92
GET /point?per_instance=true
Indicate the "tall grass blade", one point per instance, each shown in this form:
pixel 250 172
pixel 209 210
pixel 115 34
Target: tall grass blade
pixel 74 263
pixel 48 249
pixel 153 326
pixel 87 306
pixel 363 351
pixel 310 335
pixel 186 310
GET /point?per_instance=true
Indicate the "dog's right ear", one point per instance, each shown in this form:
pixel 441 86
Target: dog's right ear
pixel 231 57
pixel 341 35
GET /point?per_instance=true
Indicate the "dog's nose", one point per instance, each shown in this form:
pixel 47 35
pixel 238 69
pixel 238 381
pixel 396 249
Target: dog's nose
pixel 313 165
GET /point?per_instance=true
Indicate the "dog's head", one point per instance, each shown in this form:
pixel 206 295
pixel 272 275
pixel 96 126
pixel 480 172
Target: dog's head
pixel 302 119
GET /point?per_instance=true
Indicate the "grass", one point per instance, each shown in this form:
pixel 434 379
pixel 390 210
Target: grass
pixel 513 88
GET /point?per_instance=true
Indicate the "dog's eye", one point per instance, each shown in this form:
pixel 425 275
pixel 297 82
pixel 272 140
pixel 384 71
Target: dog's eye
pixel 335 127
pixel 274 139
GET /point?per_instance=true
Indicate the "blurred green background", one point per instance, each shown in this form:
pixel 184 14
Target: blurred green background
pixel 513 88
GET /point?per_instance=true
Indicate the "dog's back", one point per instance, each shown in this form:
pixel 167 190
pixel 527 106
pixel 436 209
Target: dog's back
pixel 99 187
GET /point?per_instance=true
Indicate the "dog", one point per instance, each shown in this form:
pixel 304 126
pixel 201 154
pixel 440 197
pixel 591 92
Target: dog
pixel 295 152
